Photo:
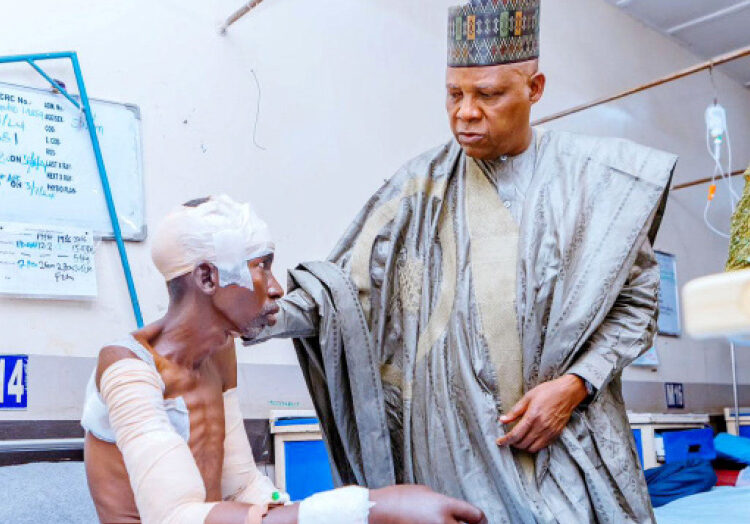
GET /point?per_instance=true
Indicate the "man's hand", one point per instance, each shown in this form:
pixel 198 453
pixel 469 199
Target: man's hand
pixel 420 505
pixel 544 413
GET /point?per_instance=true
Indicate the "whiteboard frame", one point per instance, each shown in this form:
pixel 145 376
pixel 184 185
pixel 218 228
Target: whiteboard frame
pixel 142 233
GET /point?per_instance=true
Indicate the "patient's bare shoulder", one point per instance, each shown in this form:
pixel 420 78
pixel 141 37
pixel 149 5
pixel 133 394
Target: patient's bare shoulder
pixel 108 355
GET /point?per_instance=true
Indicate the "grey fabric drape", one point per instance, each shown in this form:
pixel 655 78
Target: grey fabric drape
pixel 391 331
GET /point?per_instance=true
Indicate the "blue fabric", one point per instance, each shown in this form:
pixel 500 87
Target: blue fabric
pixel 733 447
pixel 722 505
pixel 296 421
pixel 638 444
pixel 679 479
pixel 680 446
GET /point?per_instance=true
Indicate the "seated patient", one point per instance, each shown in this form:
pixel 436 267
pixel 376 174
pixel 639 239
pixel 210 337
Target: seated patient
pixel 165 440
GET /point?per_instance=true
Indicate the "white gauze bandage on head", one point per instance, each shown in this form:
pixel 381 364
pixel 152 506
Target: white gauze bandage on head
pixel 220 231
pixel 349 505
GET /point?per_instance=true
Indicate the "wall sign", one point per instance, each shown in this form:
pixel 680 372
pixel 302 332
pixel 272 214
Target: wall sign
pixel 14 391
pixel 675 395
pixel 46 261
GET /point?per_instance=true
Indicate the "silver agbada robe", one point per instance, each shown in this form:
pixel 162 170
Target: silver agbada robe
pixel 396 335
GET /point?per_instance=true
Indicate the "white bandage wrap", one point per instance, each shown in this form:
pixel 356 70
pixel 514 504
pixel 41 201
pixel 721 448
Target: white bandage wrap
pixel 165 479
pixel 240 479
pixel 220 231
pixel 349 505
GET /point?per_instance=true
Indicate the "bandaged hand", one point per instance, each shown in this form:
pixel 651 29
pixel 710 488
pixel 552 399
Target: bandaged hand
pixel 401 504
pixel 543 412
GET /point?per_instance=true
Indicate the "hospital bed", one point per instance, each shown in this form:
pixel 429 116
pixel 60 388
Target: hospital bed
pixel 721 505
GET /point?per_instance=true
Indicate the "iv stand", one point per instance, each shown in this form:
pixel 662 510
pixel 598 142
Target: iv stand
pixel 734 387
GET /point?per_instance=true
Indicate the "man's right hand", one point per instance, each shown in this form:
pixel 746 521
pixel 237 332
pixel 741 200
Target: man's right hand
pixel 408 504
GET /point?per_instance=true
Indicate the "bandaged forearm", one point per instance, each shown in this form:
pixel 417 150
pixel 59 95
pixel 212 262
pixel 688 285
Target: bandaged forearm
pixel 240 479
pixel 166 482
pixel 349 505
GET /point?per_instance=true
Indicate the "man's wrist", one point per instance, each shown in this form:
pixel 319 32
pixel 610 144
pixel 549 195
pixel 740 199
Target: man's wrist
pixel 580 387
pixel 587 391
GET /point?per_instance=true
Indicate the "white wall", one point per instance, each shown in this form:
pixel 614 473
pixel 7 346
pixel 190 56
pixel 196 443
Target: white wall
pixel 607 52
pixel 350 90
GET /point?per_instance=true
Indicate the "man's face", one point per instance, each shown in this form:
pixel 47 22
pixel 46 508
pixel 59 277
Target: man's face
pixel 250 311
pixel 489 107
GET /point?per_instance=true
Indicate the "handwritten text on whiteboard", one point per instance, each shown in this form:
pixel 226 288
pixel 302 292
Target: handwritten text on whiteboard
pixel 39 261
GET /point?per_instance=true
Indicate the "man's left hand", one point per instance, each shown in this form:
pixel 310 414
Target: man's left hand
pixel 544 412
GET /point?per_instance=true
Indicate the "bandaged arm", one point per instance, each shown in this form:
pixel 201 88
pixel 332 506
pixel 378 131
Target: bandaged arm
pixel 240 479
pixel 628 329
pixel 242 482
pixel 165 479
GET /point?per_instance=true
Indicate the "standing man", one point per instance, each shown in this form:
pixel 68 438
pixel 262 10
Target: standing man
pixel 469 330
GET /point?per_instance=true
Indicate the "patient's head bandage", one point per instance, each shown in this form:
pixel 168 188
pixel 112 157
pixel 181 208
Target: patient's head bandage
pixel 220 231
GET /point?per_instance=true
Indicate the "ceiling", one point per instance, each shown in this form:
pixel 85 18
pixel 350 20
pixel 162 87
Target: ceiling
pixel 707 27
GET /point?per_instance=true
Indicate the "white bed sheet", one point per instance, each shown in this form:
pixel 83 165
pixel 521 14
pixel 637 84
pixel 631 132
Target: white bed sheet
pixel 722 505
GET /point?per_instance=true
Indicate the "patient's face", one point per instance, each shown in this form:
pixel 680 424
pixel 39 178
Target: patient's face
pixel 252 310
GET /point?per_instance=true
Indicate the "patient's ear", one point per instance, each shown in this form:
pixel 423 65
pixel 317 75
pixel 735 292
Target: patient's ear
pixel 206 278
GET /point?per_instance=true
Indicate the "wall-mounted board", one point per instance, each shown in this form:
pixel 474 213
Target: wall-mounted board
pixel 46 262
pixel 48 173
pixel 669 299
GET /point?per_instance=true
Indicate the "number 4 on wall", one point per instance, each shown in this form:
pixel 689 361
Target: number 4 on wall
pixel 13 393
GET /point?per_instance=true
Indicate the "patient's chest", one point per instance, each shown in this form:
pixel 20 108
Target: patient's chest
pixel 201 391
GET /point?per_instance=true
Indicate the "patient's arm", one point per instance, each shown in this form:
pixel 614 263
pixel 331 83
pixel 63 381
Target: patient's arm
pixel 393 505
pixel 242 482
pixel 165 479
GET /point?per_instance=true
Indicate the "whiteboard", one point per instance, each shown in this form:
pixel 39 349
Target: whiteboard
pixel 48 172
pixel 46 261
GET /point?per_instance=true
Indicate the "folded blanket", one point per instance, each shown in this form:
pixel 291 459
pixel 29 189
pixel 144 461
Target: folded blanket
pixel 679 479
pixel 733 447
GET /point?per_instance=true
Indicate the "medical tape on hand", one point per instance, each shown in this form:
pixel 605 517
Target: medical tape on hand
pixel 349 505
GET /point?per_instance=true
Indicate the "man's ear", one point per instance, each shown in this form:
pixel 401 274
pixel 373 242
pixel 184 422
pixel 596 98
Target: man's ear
pixel 206 278
pixel 537 82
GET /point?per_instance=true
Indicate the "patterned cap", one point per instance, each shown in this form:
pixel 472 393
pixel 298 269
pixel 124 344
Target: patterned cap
pixel 492 32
